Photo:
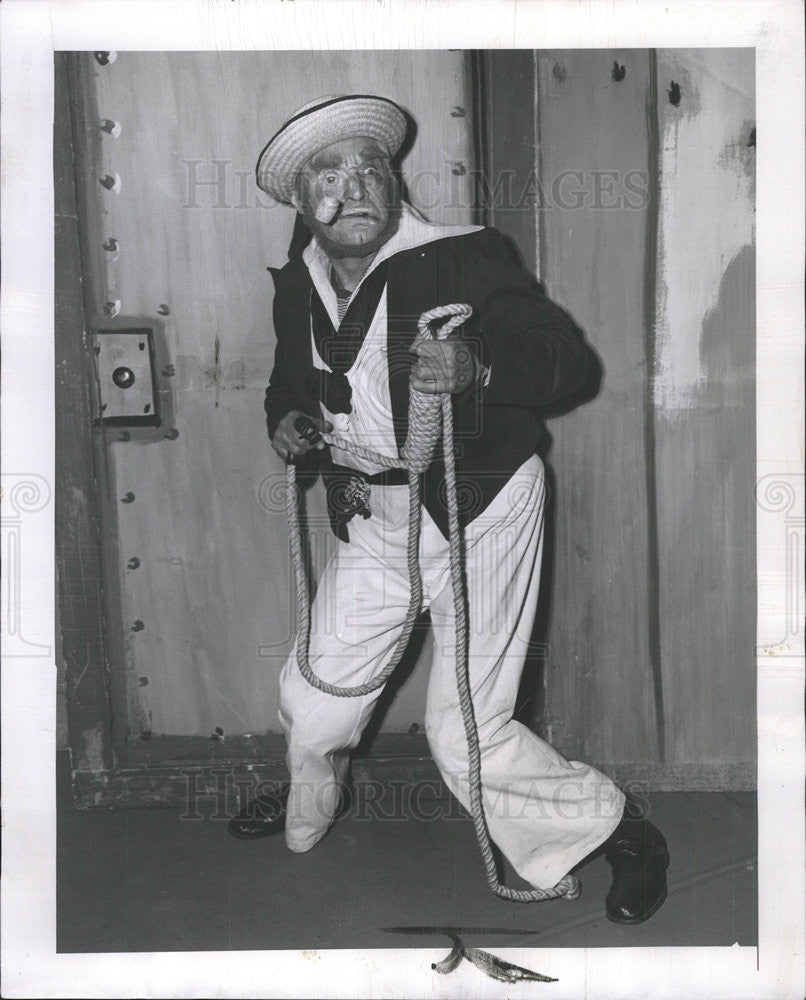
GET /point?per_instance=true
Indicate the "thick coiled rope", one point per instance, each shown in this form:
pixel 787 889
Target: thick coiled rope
pixel 429 415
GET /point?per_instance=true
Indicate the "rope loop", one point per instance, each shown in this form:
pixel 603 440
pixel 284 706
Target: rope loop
pixel 457 313
pixel 430 414
pixel 425 424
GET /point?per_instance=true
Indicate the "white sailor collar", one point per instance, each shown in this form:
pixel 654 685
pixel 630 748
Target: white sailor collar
pixel 412 231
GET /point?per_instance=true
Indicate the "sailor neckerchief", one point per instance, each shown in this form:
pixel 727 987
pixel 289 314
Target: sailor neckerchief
pixel 338 348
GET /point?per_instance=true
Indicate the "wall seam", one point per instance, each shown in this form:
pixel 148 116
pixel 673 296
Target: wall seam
pixel 540 229
pixel 650 296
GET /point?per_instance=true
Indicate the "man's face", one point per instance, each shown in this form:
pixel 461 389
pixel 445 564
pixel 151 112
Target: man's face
pixel 357 173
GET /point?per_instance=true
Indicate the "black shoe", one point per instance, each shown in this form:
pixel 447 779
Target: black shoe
pixel 262 817
pixel 639 858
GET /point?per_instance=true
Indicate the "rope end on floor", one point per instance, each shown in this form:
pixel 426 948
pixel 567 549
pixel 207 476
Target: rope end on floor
pixel 571 886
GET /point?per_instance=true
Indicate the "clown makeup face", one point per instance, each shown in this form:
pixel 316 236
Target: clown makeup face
pixel 348 196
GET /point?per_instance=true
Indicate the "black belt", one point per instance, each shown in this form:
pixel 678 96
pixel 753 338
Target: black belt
pixel 389 477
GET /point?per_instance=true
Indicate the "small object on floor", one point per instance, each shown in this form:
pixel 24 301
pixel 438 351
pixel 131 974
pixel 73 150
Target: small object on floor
pixel 639 857
pixel 494 967
pixel 505 972
pixel 264 816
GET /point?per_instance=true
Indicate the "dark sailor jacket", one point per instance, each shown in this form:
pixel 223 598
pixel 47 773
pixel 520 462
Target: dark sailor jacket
pixel 535 354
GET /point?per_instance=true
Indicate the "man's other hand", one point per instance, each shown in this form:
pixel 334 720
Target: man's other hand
pixel 443 366
pixel 289 443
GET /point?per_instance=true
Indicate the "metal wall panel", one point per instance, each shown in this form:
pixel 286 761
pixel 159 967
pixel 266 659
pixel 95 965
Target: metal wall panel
pixel 647 238
pixel 600 697
pixel 181 233
pixel 704 403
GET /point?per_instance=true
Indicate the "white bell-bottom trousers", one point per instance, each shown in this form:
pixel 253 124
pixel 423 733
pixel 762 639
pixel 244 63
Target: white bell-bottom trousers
pixel 545 813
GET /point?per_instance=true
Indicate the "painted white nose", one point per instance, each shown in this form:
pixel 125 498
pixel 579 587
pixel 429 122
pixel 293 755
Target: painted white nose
pixel 327 208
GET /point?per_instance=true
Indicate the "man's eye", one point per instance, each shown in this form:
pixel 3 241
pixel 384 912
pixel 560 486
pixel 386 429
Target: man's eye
pixel 371 171
pixel 330 179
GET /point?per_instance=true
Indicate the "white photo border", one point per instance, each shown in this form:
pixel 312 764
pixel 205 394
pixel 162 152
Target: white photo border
pixel 31 31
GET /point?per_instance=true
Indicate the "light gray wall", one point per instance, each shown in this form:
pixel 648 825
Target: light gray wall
pixel 212 588
pixel 652 627
pixel 651 574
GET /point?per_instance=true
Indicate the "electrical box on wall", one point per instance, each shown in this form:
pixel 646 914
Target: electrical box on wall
pixel 127 377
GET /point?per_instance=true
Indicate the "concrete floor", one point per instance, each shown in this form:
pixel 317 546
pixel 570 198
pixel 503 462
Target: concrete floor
pixel 151 880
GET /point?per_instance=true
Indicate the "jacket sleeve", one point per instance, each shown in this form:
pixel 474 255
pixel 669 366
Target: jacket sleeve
pixel 535 352
pixel 281 397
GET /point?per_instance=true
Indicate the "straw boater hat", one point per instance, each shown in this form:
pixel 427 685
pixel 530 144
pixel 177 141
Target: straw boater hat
pixel 318 124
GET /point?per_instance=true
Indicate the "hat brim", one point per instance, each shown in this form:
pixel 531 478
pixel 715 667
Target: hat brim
pixel 313 128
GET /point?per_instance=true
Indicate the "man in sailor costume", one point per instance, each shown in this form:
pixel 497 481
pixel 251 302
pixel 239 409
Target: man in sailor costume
pixel 345 316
